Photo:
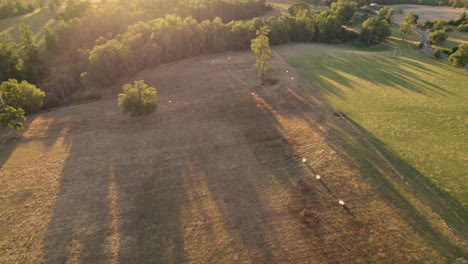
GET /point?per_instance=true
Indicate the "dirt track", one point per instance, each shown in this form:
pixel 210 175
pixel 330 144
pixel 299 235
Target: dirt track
pixel 211 177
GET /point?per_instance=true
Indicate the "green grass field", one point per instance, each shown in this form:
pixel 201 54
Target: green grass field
pixel 413 105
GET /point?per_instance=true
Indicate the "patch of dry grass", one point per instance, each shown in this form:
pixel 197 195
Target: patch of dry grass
pixel 210 177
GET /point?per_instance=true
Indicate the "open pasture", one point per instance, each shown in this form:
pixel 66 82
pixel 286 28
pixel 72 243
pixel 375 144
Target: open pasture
pixel 413 105
pixel 215 175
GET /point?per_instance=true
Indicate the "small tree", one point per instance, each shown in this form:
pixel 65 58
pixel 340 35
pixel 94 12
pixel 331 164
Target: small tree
pixel 374 28
pixel 344 10
pixel 460 57
pixel 437 53
pixel 138 99
pixel 261 48
pixel 411 19
pixel 438 36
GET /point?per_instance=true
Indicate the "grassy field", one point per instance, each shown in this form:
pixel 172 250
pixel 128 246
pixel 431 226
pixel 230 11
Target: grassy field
pixel 427 12
pixel 37 20
pixel 414 105
pixel 214 176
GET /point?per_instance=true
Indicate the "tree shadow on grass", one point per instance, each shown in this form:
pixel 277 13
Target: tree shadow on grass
pixel 354 148
pixel 79 226
pixel 393 72
pixel 452 211
pixel 358 151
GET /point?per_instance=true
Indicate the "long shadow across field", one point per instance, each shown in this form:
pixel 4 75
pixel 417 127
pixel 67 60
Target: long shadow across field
pixel 344 142
pixel 78 229
pixel 392 72
pixel 442 203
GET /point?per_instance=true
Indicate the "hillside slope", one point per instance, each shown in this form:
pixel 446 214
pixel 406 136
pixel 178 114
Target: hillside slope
pixel 215 175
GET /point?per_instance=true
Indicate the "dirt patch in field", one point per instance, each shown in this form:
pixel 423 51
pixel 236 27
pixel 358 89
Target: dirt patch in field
pixel 209 178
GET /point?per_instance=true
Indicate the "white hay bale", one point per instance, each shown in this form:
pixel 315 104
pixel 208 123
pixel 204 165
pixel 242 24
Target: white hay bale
pixel 318 177
pixel 342 203
pixel 304 160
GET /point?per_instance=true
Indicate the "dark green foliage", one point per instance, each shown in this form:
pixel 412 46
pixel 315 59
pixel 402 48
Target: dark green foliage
pixel 344 10
pixel 411 19
pixel 386 13
pixel 446 51
pixel 11 65
pixel 375 29
pixel 437 53
pixel 463 27
pixel 11 117
pixel 411 2
pixel 459 3
pixel 420 45
pixel 10 8
pixel 204 9
pixel 28 44
pixel 74 8
pixel 16 100
pixel 138 99
pixel 22 95
pixel 438 36
pixel 295 8
pixel 261 48
pixel 50 41
pixel 460 57
pixel 429 24
pixel 173 38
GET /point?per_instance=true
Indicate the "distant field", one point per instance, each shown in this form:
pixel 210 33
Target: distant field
pixel 414 105
pixel 36 20
pixel 428 12
pixel 281 7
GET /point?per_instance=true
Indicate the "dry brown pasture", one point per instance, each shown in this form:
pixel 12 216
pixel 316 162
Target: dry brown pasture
pixel 428 12
pixel 215 175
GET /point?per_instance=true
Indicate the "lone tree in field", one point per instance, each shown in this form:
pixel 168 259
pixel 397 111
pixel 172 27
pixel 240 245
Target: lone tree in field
pixel 138 99
pixel 261 48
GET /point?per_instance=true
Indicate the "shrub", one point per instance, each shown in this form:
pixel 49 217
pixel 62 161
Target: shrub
pixel 446 51
pixel 438 36
pixel 138 99
pixel 420 45
pixel 436 53
pixel 463 28
pixel 22 95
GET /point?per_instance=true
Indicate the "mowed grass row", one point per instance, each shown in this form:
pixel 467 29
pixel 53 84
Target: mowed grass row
pixel 413 105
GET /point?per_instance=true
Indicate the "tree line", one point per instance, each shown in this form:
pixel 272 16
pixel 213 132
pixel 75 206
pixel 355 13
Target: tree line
pixel 76 32
pixel 20 60
pixel 162 40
